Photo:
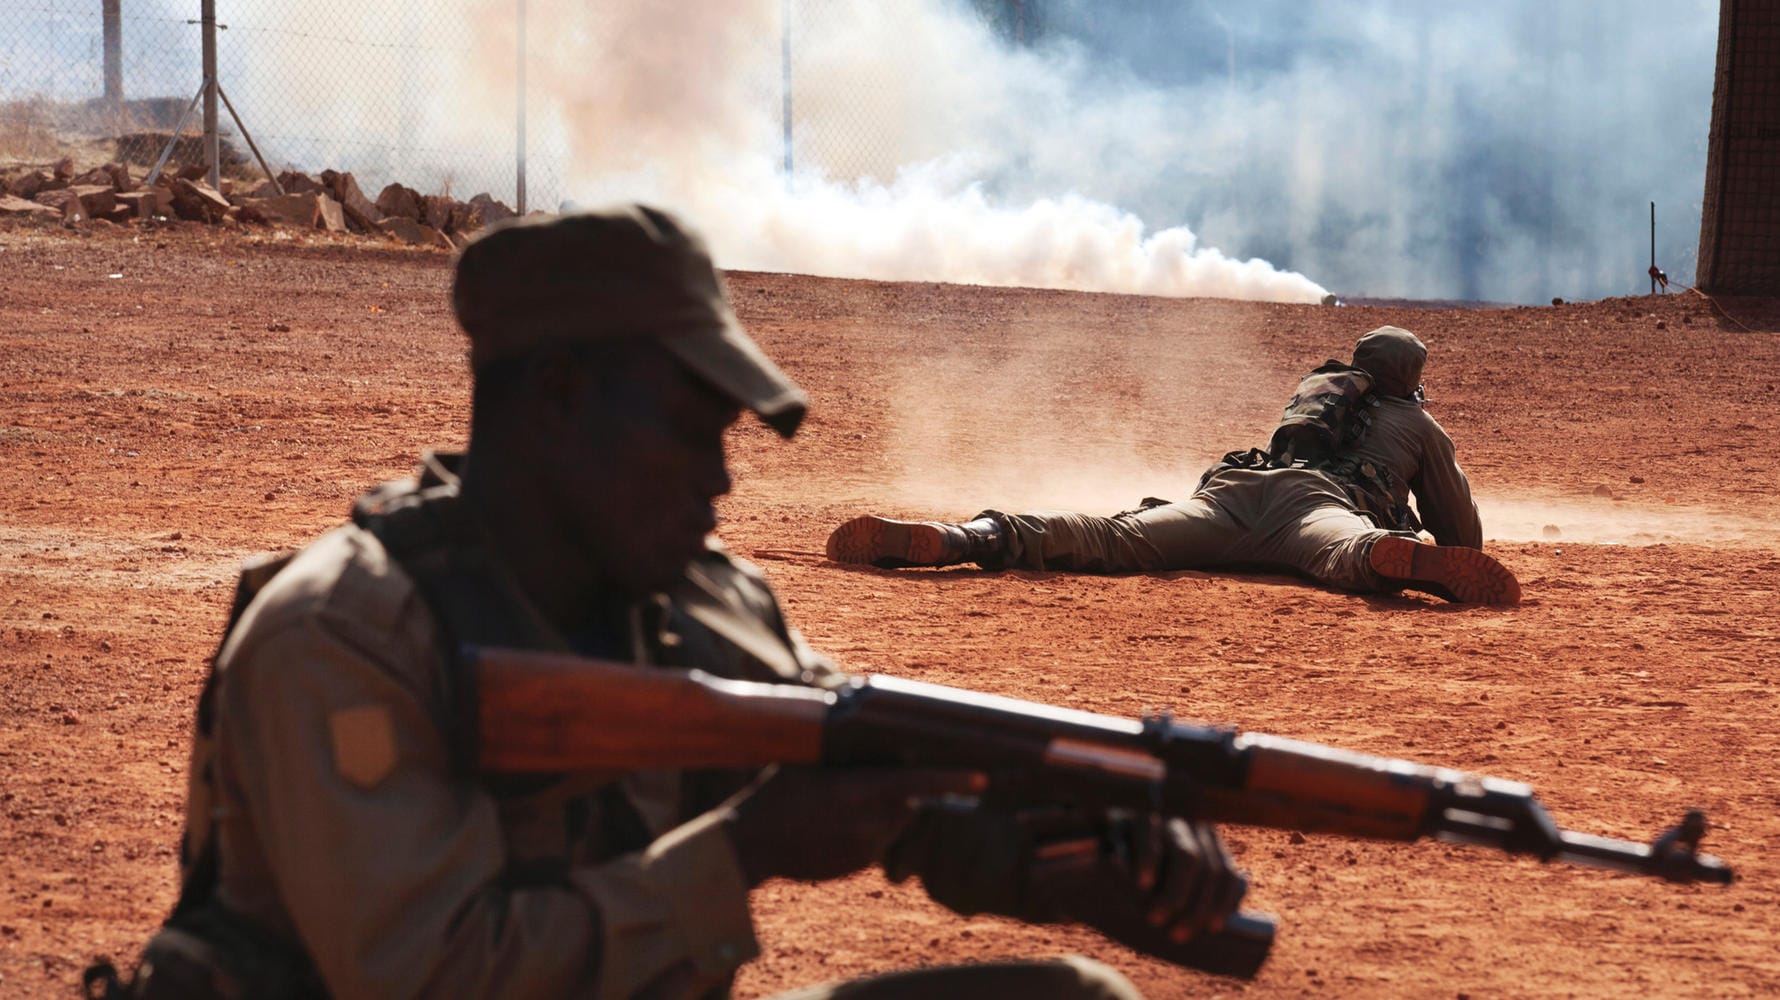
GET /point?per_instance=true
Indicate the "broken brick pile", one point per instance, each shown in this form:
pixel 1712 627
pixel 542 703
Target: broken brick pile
pixel 332 202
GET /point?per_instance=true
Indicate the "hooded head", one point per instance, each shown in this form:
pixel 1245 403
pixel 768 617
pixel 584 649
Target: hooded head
pixel 1393 357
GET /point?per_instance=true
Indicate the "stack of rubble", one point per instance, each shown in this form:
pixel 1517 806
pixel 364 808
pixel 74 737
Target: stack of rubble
pixel 332 203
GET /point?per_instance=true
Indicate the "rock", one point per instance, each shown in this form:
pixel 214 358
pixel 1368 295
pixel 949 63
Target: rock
pixel 198 201
pixel 297 182
pixel 301 210
pixel 66 203
pixel 485 211
pixel 439 209
pixel 30 183
pixel 265 189
pixel 1552 531
pixel 329 214
pixel 64 169
pixel 97 175
pixel 399 201
pixel 120 177
pixel 25 210
pixel 360 211
pixel 411 232
pixel 148 202
pixel 195 171
pixel 1603 490
pixel 96 199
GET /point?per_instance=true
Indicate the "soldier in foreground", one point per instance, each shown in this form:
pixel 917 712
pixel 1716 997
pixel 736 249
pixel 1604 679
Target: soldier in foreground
pixel 340 841
pixel 1340 516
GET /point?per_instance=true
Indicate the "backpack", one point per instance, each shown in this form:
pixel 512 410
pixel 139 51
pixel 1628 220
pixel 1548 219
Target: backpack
pixel 1328 411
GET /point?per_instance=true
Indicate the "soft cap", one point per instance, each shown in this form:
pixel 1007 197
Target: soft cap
pixel 1393 357
pixel 622 271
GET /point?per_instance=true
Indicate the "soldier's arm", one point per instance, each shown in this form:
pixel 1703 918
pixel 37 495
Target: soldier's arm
pixel 1443 494
pixel 393 869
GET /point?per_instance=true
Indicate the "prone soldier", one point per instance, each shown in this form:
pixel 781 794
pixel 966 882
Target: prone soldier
pixel 1341 516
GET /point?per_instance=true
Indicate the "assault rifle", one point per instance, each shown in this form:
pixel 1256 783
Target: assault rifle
pixel 545 713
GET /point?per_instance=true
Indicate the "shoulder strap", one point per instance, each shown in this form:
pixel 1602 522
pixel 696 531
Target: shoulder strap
pixel 197 848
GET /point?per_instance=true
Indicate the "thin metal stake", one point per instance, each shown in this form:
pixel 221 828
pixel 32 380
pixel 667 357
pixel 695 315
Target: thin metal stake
pixel 785 78
pixel 178 130
pixel 250 145
pixel 519 140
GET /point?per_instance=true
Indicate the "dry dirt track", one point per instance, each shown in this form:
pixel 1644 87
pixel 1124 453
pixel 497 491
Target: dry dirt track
pixel 230 393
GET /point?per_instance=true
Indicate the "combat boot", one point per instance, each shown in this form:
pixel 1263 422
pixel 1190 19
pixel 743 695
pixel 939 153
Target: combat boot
pixel 880 541
pixel 1467 576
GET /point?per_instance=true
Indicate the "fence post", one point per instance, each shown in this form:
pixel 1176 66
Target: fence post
pixel 114 56
pixel 519 140
pixel 785 78
pixel 212 143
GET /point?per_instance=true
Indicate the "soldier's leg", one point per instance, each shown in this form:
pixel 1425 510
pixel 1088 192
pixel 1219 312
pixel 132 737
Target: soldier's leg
pixel 1192 535
pixel 1312 526
pixel 1071 978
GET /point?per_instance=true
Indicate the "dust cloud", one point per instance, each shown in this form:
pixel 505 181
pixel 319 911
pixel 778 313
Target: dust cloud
pixel 1125 406
pixel 1601 521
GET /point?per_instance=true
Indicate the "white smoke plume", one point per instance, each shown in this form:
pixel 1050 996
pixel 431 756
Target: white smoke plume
pixel 1393 148
pixel 679 104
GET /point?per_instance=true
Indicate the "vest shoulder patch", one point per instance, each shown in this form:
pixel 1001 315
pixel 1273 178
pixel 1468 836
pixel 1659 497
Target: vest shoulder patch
pixel 364 740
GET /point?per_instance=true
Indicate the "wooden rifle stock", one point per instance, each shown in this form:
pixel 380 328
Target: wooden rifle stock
pixel 542 712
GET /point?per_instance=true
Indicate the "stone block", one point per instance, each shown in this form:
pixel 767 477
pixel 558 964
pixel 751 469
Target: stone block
pixel 96 199
pixel 65 203
pixel 360 211
pixel 329 215
pixel 120 177
pixel 147 203
pixel 402 202
pixel 29 183
pixel 24 210
pixel 198 201
pixel 414 233
pixel 485 211
pixel 300 210
pixel 297 182
pixel 437 210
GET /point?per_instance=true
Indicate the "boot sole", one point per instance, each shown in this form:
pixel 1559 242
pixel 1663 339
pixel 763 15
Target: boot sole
pixel 1470 575
pixel 879 541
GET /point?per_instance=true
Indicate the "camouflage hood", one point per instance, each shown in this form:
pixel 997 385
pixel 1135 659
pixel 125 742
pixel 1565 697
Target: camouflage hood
pixel 1393 357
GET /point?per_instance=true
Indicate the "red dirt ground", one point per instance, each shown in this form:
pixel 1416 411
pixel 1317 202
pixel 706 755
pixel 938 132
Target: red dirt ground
pixel 174 399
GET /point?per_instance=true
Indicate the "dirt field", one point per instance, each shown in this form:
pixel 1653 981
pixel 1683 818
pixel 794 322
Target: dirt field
pixel 172 400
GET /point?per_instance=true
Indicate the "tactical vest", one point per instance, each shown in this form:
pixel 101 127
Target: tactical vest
pixel 202 952
pixel 1327 414
pixel 1328 411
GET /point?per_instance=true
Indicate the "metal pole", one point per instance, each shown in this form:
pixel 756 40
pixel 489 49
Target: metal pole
pixel 1653 248
pixel 114 55
pixel 785 78
pixel 172 140
pixel 519 140
pixel 242 126
pixel 212 143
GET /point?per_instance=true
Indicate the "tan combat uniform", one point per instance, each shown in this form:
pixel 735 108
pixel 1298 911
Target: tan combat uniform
pixel 346 829
pixel 1299 520
pixel 343 825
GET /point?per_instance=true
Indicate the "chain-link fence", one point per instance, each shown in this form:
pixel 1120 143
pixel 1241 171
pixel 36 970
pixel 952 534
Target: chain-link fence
pixel 424 93
pixel 427 92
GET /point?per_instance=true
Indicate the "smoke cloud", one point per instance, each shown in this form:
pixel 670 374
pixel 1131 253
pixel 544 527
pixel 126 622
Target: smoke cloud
pixel 1387 148
pixel 1501 152
pixel 912 113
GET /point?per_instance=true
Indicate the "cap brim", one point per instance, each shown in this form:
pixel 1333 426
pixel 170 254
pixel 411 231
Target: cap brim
pixel 724 355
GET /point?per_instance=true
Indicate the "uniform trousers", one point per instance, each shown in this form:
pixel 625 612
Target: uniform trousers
pixel 1297 520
